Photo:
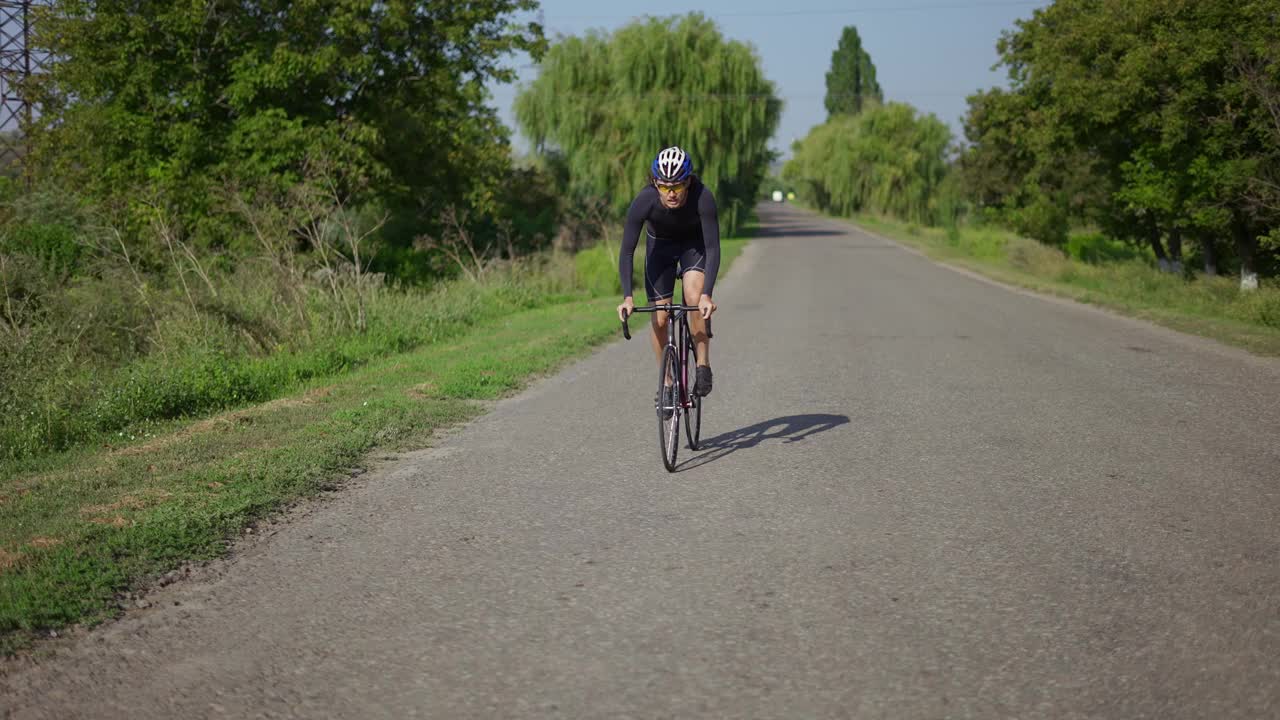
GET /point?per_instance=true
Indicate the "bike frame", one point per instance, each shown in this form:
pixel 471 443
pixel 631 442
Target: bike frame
pixel 677 327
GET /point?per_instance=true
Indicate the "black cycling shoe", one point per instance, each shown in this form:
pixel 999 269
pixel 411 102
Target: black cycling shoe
pixel 702 381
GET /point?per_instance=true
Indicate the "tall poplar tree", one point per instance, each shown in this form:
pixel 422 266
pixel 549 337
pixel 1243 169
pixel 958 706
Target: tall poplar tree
pixel 851 82
pixel 609 102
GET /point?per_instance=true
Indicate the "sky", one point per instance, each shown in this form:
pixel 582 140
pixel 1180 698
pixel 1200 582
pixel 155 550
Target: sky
pixel 929 53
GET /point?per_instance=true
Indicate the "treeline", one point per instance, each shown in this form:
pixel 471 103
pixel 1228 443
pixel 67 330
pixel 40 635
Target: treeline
pixel 1157 121
pixel 196 107
pixel 869 156
pixel 1154 122
pixel 223 200
pixel 211 185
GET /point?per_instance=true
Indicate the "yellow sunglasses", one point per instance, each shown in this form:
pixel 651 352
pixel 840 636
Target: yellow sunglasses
pixel 662 187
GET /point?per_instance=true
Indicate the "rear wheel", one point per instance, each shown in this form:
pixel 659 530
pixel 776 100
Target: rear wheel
pixel 669 402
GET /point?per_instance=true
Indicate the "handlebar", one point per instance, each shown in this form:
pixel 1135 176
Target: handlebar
pixel 626 330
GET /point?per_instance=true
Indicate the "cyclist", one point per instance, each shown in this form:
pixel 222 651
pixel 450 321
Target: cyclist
pixel 683 240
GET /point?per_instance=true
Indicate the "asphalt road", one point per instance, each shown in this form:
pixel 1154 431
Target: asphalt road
pixel 925 496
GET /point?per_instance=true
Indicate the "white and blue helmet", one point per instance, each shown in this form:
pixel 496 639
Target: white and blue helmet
pixel 672 165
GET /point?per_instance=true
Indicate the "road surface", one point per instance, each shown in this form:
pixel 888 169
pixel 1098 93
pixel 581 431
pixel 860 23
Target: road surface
pixel 924 496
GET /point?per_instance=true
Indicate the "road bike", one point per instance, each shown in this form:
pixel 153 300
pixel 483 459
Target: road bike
pixel 673 374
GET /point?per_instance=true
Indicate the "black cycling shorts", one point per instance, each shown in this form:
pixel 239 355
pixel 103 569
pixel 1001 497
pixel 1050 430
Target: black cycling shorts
pixel 666 260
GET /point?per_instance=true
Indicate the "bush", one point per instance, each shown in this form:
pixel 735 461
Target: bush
pixel 1096 248
pixel 1042 220
pixel 245 346
pixel 1037 258
pixel 52 244
pixel 596 270
pixel 1261 306
pixel 986 242
pixel 44 225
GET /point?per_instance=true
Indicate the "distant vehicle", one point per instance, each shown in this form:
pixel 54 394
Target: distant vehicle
pixel 777 196
pixel 791 196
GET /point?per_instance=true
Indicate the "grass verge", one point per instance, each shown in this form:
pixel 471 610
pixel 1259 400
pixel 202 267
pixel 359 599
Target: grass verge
pixel 78 529
pixel 1208 306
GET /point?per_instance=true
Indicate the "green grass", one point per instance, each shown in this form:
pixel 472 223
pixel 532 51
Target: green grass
pixel 209 366
pixel 1107 274
pixel 78 528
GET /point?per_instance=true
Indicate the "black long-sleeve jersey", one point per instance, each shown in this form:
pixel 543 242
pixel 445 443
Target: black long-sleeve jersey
pixel 696 223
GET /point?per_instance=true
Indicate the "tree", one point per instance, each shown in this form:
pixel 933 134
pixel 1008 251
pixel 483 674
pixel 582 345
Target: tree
pixel 1152 99
pixel 1019 167
pixel 851 82
pixel 190 97
pixel 609 102
pixel 887 160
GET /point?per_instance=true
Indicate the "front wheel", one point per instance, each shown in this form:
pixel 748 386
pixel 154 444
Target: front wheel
pixel 668 407
pixel 693 423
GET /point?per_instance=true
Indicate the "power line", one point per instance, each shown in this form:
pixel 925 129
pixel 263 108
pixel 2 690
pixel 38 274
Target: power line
pixel 803 13
pixel 669 96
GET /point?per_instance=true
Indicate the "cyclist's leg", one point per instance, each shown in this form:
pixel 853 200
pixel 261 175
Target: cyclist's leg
pixel 692 262
pixel 660 286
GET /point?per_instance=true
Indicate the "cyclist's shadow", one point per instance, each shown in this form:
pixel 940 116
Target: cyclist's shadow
pixel 789 429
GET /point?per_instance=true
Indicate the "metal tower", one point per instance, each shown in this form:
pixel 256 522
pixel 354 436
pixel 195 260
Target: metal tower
pixel 17 62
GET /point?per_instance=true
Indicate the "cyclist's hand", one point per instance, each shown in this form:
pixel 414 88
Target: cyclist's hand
pixel 627 307
pixel 706 306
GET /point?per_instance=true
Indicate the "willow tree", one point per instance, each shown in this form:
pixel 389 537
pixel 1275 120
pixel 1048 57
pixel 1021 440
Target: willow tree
pixel 608 102
pixel 886 160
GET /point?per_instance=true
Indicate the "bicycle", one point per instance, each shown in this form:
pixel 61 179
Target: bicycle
pixel 674 369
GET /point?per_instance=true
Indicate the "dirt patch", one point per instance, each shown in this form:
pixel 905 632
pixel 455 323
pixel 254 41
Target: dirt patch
pixel 320 393
pixel 41 541
pixel 14 493
pixel 164 441
pixel 133 501
pixel 226 420
pixel 8 559
pixel 426 390
pixel 128 504
pixel 117 521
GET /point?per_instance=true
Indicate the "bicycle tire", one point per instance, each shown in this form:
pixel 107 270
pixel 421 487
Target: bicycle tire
pixel 669 428
pixel 693 423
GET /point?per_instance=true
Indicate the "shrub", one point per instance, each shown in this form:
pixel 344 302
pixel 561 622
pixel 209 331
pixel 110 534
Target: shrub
pixel 1261 306
pixel 1042 220
pixel 596 270
pixel 1096 248
pixel 1035 257
pixel 985 242
pixel 240 346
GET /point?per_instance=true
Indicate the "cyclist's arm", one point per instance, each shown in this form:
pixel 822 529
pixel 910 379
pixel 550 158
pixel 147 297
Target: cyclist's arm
pixel 710 237
pixel 631 238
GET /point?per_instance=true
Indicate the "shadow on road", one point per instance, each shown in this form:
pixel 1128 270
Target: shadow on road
pixel 787 230
pixel 789 429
